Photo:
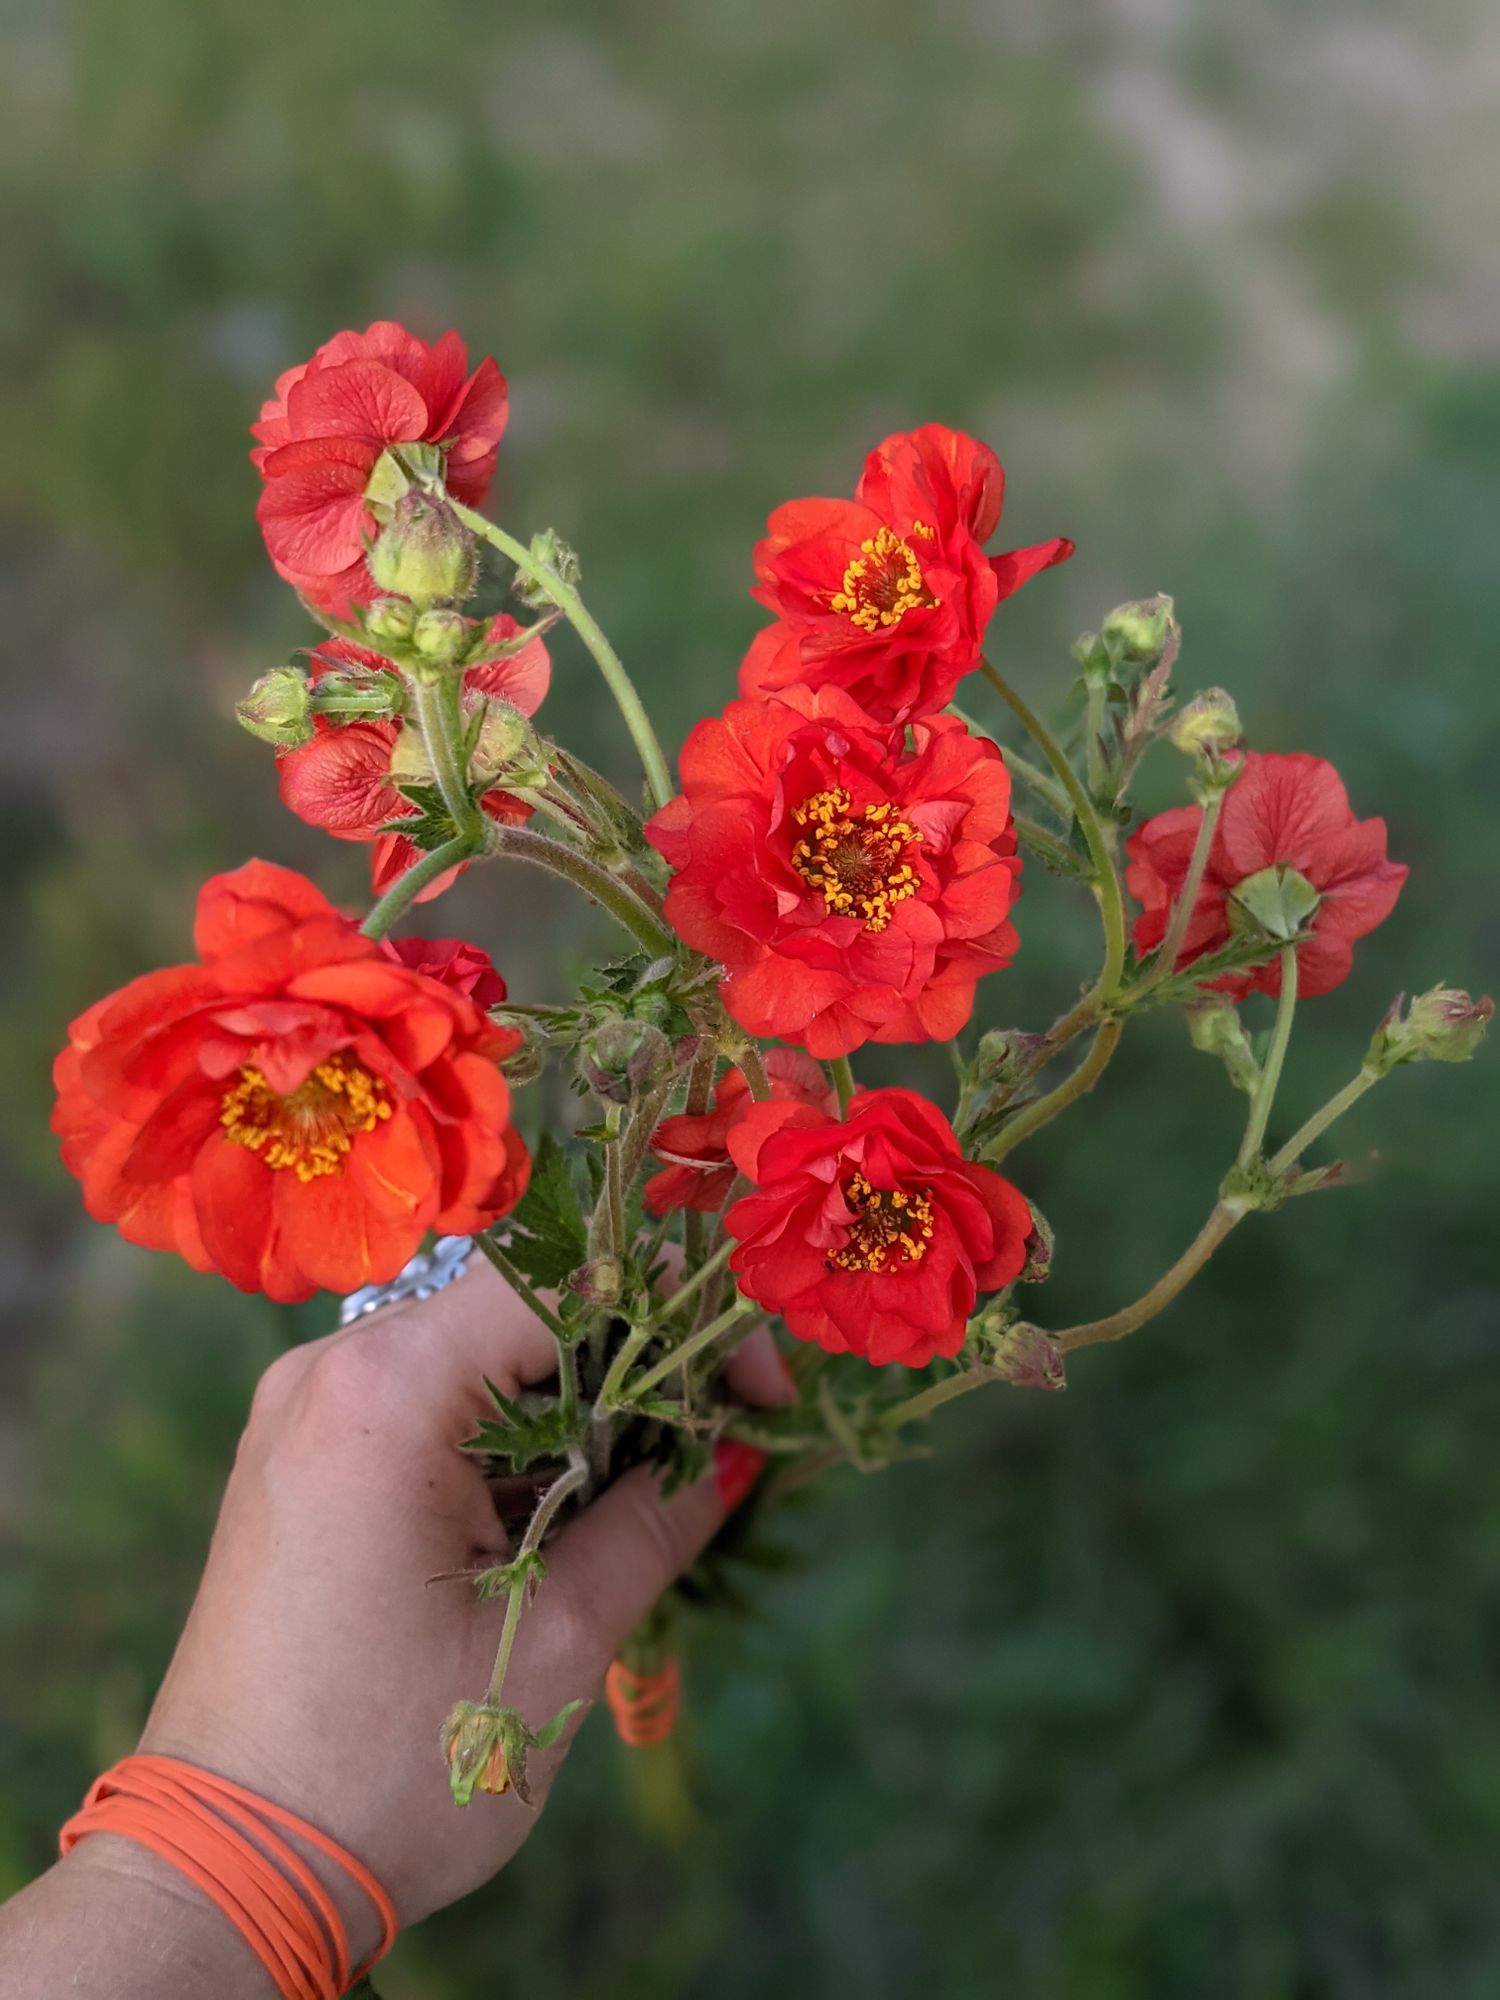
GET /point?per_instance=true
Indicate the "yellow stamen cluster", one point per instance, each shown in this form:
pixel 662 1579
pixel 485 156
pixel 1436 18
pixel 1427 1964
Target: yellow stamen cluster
pixel 858 864
pixel 311 1130
pixel 884 581
pixel 890 1227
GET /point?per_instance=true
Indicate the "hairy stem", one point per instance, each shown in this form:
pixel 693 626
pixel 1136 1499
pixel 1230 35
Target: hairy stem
pixel 1182 909
pixel 1223 1217
pixel 843 1083
pixel 1032 1117
pixel 691 1347
pixel 406 888
pixel 541 1520
pixel 441 723
pixel 618 681
pixel 519 843
pixel 519 1285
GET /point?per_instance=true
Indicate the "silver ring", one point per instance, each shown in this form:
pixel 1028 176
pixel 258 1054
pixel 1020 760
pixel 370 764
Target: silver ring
pixel 418 1278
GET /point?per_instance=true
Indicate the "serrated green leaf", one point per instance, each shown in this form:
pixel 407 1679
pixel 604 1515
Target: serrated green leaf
pixel 548 1234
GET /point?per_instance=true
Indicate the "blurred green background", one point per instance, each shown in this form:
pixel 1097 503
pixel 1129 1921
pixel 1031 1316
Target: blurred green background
pixel 1184 1683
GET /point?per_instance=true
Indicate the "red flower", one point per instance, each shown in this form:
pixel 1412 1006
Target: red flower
pixel 345 779
pixel 873 1236
pixel 888 595
pixel 329 421
pixel 699 1172
pixel 462 968
pixel 295 1110
pixel 1283 818
pixel 853 889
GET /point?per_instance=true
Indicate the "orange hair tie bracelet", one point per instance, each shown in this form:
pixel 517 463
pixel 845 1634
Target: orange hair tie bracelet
pixel 644 1706
pixel 223 1839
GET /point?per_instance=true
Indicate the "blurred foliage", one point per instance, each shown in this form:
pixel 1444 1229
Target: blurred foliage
pixel 1182 1683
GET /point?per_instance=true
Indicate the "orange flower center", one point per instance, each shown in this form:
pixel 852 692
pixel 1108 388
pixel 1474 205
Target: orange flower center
pixel 890 1228
pixel 312 1129
pixel 884 581
pixel 860 863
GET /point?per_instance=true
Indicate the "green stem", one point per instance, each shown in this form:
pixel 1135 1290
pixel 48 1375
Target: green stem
pixel 567 600
pixel 1032 1117
pixel 1224 1217
pixel 541 1520
pixel 921 1405
pixel 1182 909
pixel 749 1060
pixel 1107 881
pixel 441 723
pixel 1321 1119
pixel 1021 767
pixel 405 889
pixel 1093 748
pixel 1281 1034
pixel 1048 846
pixel 691 1347
pixel 843 1082
pixel 696 1282
pixel 520 843
pixel 519 1285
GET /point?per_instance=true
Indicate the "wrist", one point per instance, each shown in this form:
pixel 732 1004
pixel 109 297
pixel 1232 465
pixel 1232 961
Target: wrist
pixel 113 1919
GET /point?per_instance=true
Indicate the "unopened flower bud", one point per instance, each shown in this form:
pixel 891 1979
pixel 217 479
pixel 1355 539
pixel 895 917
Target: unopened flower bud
pixel 1028 1358
pixel 1004 1056
pixel 389 618
pixel 474 1745
pixel 598 1283
pixel 505 735
pixel 424 553
pixel 1210 721
pixel 440 635
pixel 1137 634
pixel 1039 1248
pixel 1444 1025
pixel 1214 1027
pixel 1277 901
pixel 359 694
pixel 549 549
pixel 278 709
pixel 527 1062
pixel 409 762
pixel 622 1058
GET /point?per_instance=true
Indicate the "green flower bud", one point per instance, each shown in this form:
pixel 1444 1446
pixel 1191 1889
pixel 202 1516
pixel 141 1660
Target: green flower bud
pixel 475 1749
pixel 424 553
pixel 1443 1025
pixel 505 735
pixel 440 635
pixel 1028 1358
pixel 1210 721
pixel 359 694
pixel 1004 1056
pixel 548 548
pixel 1214 1027
pixel 389 618
pixel 622 1058
pixel 1137 634
pixel 598 1283
pixel 1277 901
pixel 409 765
pixel 278 709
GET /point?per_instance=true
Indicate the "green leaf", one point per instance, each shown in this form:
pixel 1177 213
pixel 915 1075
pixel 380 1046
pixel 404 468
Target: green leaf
pixel 548 1234
pixel 547 1735
pixel 524 1435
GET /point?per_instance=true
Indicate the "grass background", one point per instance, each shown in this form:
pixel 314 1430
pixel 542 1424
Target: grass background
pixel 1183 1683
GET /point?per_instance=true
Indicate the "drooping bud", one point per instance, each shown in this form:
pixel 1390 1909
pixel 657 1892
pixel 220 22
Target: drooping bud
pixel 527 1062
pixel 474 1745
pixel 1443 1025
pixel 424 553
pixel 1040 1245
pixel 1277 901
pixel 1028 1358
pixel 389 618
pixel 278 709
pixel 1004 1056
pixel 1137 634
pixel 549 549
pixel 621 1058
pixel 1210 721
pixel 1214 1027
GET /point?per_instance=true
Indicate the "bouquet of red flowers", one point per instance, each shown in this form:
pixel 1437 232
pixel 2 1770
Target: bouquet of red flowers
pixel 311 1097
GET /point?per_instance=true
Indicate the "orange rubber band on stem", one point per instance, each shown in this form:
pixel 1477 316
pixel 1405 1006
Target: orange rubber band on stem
pixel 223 1839
pixel 645 1706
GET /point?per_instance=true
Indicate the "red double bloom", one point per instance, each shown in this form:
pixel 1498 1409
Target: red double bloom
pixel 855 890
pixel 698 1171
pixel 873 1235
pixel 1284 817
pixel 888 595
pixel 320 435
pixel 298 1108
pixel 345 780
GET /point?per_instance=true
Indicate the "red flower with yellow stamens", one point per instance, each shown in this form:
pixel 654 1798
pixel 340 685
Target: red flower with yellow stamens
pixel 1288 854
pixel 321 434
pixel 298 1108
pixel 873 1235
pixel 888 595
pixel 346 778
pixel 698 1172
pixel 855 890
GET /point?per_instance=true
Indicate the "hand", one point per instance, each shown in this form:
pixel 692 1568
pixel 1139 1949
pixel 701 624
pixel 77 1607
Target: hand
pixel 319 1660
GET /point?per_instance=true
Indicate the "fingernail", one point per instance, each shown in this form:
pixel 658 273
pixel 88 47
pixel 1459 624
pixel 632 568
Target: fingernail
pixel 737 1466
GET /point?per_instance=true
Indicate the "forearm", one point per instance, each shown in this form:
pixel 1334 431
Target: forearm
pixel 114 1922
